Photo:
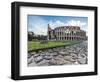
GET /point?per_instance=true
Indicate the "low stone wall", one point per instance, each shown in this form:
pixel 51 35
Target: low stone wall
pixel 66 55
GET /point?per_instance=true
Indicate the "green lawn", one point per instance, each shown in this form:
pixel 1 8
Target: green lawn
pixel 32 45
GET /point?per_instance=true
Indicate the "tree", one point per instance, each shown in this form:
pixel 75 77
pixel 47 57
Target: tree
pixel 30 36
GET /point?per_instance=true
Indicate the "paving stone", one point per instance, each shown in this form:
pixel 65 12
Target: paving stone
pixel 52 62
pixel 54 54
pixel 43 63
pixel 33 53
pixel 47 57
pixel 82 60
pixel 29 55
pixel 30 60
pixel 38 59
pixel 36 55
pixel 68 55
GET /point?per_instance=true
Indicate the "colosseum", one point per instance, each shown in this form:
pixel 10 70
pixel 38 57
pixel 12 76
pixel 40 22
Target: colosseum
pixel 66 33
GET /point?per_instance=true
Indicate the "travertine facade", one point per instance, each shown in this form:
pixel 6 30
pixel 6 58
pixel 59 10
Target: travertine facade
pixel 66 33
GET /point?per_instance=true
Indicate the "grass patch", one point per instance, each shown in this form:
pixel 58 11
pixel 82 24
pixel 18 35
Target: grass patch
pixel 32 45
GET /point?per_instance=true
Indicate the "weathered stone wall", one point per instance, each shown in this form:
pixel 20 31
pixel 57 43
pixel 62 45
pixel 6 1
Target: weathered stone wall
pixel 66 33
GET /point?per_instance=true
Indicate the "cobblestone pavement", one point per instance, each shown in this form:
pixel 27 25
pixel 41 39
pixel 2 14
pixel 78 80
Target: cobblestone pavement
pixel 68 55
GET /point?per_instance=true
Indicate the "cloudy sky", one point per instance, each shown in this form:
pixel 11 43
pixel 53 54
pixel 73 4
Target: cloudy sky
pixel 39 23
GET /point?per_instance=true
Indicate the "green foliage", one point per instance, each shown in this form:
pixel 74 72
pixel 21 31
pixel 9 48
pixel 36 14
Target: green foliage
pixel 32 45
pixel 30 36
pixel 44 42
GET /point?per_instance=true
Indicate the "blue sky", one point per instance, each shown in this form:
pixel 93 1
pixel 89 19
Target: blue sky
pixel 39 23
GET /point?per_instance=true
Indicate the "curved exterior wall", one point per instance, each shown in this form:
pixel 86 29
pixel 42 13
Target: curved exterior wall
pixel 66 33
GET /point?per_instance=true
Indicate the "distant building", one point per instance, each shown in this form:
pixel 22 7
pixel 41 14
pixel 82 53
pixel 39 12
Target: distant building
pixel 66 33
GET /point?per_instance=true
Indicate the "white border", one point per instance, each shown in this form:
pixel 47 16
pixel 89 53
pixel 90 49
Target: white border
pixel 24 70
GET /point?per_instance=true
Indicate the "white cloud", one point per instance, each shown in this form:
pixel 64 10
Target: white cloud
pixel 76 23
pixel 71 22
pixel 39 26
pixel 57 23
